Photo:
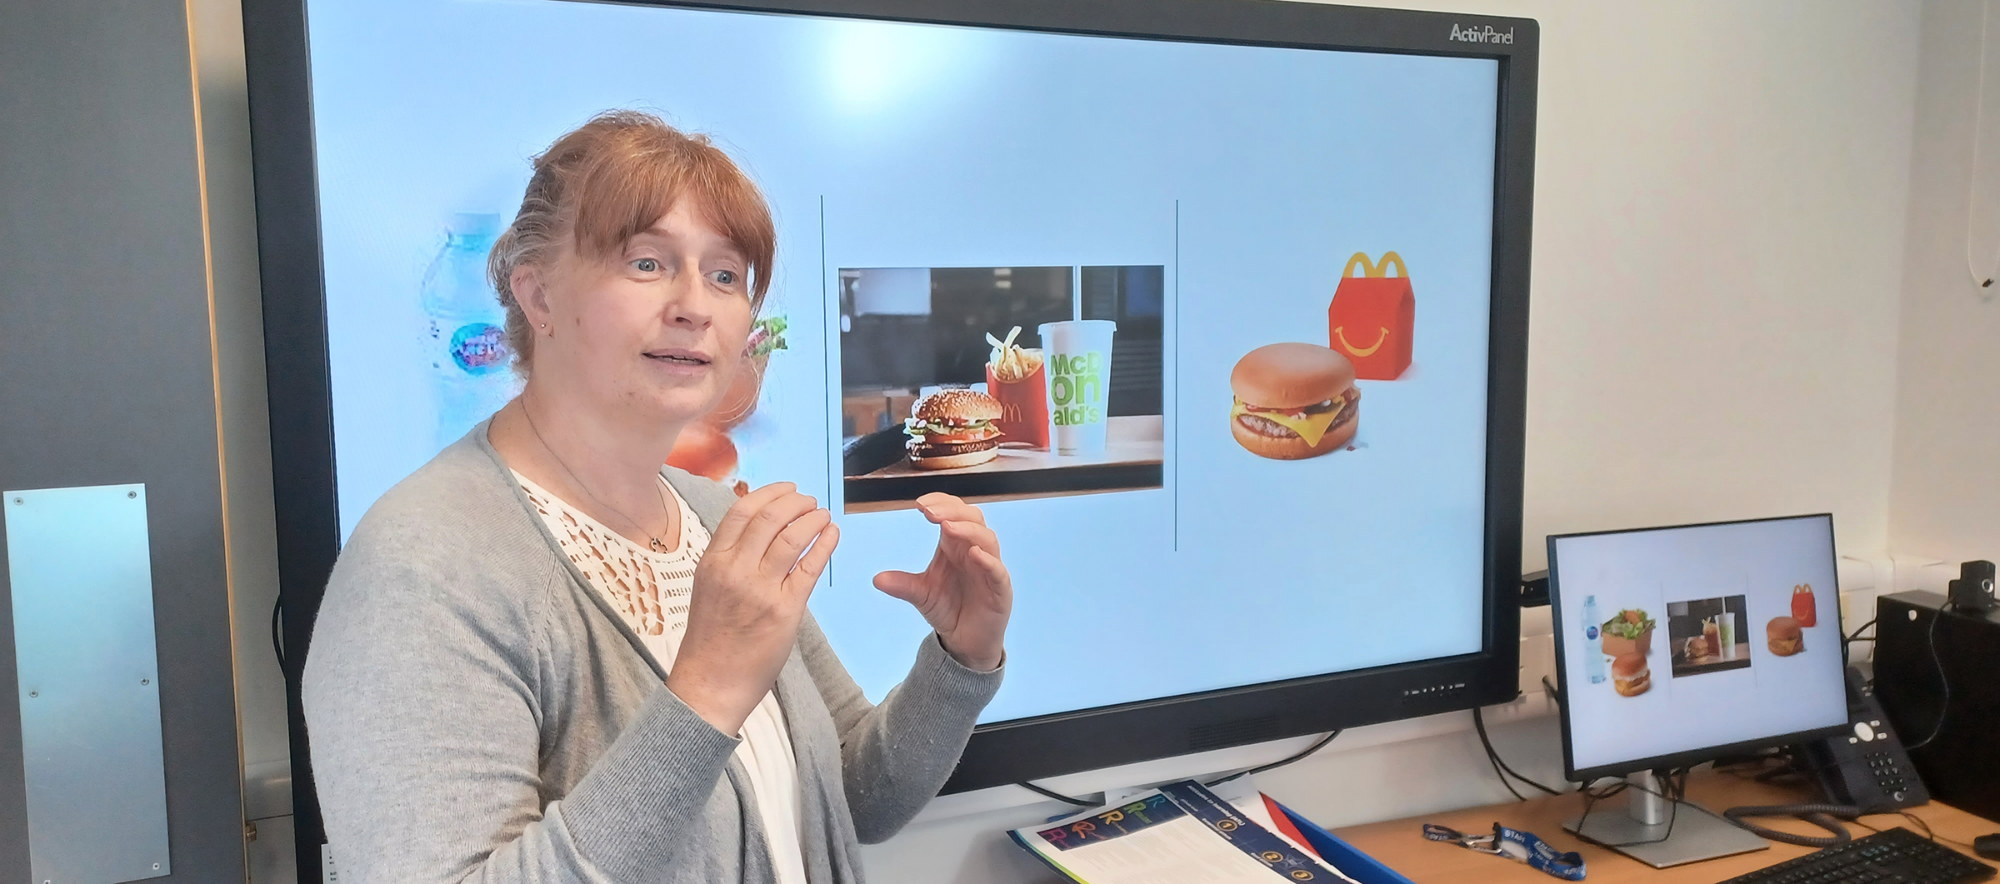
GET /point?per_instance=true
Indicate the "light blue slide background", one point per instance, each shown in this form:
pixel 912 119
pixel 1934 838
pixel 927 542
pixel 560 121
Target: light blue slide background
pixel 1251 173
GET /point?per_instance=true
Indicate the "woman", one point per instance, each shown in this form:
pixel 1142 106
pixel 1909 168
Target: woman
pixel 541 657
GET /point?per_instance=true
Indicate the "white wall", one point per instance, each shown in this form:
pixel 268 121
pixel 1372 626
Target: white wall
pixel 1719 247
pixel 1946 503
pixel 1720 192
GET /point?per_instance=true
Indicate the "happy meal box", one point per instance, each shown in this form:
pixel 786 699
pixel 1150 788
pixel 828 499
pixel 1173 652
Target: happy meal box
pixel 1372 319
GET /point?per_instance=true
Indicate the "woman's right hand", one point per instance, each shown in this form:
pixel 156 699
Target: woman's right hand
pixel 750 592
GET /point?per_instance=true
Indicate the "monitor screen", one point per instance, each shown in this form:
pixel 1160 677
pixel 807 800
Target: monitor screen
pixel 1098 233
pixel 1679 643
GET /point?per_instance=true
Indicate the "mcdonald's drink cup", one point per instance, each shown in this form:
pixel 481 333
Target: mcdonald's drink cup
pixel 1077 357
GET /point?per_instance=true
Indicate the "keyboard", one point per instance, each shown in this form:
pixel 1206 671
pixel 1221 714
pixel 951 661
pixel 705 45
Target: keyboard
pixel 1889 857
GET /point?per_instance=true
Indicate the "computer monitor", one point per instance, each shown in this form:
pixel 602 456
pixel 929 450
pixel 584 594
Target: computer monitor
pixel 1680 645
pixel 1150 191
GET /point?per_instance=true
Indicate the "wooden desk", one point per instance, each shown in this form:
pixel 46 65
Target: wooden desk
pixel 1401 846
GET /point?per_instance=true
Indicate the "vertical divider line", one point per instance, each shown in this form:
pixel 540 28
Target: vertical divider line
pixel 832 376
pixel 1176 455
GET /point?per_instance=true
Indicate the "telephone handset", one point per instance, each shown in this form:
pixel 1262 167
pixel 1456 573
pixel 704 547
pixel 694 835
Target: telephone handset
pixel 1866 766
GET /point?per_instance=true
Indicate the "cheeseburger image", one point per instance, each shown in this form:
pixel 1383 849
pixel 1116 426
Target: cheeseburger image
pixel 1784 636
pixel 1293 401
pixel 1630 675
pixel 953 428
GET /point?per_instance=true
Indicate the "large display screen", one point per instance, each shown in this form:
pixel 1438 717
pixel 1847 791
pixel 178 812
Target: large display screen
pixel 1681 640
pixel 1105 236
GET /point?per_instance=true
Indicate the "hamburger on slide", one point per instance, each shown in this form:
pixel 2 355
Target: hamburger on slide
pixel 1293 401
pixel 1630 675
pixel 953 428
pixel 1784 636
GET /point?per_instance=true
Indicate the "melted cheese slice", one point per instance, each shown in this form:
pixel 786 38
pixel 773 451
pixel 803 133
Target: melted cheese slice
pixel 1309 427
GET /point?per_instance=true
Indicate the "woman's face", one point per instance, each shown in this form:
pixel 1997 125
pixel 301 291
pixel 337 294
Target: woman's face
pixel 658 326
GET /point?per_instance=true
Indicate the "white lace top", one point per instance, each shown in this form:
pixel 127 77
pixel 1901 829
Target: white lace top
pixel 650 590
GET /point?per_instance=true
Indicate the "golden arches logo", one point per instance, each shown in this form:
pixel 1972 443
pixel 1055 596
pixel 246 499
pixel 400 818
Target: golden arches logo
pixel 1376 269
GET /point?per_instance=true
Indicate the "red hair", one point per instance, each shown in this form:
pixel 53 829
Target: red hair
pixel 610 179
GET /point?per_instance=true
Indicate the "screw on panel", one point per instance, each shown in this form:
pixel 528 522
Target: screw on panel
pixel 18 502
pixel 134 495
pixel 34 693
pixel 156 867
pixel 145 681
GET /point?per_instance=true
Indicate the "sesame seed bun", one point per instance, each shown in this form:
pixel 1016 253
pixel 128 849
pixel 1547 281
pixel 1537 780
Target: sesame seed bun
pixel 956 406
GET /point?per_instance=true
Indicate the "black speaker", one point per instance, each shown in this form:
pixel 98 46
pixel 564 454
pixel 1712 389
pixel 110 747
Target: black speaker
pixel 1973 590
pixel 1935 674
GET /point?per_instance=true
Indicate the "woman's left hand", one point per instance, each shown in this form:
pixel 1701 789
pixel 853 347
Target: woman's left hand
pixel 965 594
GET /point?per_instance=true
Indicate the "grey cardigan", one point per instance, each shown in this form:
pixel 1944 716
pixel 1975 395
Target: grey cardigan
pixel 478 713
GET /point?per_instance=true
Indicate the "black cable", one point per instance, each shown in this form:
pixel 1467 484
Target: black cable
pixel 1928 831
pixel 1056 795
pixel 278 631
pixel 1825 816
pixel 1944 679
pixel 1673 793
pixel 1934 836
pixel 1494 760
pixel 1500 764
pixel 1851 639
pixel 1315 747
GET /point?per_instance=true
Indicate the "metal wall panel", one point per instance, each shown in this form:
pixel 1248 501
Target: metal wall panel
pixel 79 563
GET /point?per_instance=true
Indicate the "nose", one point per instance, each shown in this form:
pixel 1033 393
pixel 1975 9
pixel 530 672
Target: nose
pixel 690 304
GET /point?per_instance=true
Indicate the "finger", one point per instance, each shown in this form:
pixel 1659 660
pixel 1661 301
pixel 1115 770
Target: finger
pixel 959 536
pixel 940 507
pixel 784 550
pixel 738 516
pixel 990 565
pixel 772 518
pixel 900 585
pixel 806 573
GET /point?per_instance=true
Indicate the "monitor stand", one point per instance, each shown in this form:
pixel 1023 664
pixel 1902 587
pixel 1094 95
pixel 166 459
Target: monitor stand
pixel 1643 831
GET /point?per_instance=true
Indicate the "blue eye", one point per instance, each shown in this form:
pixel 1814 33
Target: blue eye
pixel 725 277
pixel 646 265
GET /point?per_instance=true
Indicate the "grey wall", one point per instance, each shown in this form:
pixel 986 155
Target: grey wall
pixel 107 370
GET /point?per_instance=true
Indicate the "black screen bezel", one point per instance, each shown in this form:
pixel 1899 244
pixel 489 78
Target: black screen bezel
pixel 302 423
pixel 1692 756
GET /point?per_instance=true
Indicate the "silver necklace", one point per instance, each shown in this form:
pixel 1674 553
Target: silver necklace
pixel 658 543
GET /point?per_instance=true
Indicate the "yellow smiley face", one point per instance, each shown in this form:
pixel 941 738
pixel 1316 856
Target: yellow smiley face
pixel 1340 332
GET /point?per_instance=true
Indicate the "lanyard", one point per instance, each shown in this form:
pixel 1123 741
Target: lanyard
pixel 1515 844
